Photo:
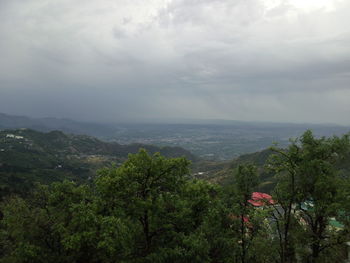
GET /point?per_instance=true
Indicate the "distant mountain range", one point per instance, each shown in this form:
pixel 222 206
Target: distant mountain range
pixel 108 129
pixel 51 124
pixel 208 139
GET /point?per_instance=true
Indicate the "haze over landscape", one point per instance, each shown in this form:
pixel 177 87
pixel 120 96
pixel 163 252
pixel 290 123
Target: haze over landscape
pixel 110 61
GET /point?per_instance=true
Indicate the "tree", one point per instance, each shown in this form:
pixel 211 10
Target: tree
pixel 246 179
pixel 285 165
pixel 309 193
pixel 145 188
pixel 62 223
pixel 321 190
pixel 147 210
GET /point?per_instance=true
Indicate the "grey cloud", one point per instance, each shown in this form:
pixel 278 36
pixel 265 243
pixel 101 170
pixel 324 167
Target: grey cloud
pixel 115 60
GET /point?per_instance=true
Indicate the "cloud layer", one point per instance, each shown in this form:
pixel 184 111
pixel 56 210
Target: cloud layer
pixel 274 60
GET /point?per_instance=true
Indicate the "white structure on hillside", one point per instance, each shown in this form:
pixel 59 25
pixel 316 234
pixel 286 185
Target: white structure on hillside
pixel 14 136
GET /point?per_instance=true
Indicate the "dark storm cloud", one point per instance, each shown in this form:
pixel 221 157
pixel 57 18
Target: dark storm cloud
pixel 274 60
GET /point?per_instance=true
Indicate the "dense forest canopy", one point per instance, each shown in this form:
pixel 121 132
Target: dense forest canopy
pixel 150 209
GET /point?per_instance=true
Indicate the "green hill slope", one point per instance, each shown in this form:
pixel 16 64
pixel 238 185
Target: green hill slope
pixel 28 156
pixel 221 172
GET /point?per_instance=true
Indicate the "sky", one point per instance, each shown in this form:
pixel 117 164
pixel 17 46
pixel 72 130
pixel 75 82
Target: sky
pixel 113 60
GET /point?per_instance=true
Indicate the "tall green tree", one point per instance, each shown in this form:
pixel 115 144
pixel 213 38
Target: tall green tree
pixel 309 192
pixel 246 179
pixel 321 189
pixel 284 163
pixel 146 189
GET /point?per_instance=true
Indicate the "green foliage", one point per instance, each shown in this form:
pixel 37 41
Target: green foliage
pixel 310 192
pixel 250 224
pixel 144 211
pixel 149 209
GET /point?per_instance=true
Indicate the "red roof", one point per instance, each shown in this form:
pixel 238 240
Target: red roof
pixel 260 199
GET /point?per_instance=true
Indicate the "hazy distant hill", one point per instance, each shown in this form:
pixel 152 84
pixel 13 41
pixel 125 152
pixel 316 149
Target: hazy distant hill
pixel 223 141
pixel 50 124
pixel 209 139
pixel 27 156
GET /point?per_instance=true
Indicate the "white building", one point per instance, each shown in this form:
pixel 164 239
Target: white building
pixel 14 136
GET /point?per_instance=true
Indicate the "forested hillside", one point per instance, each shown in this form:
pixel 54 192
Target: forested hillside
pixel 221 172
pixel 28 156
pixel 51 124
pixel 150 209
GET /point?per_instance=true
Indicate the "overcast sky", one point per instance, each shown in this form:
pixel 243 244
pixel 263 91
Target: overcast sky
pixel 110 60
